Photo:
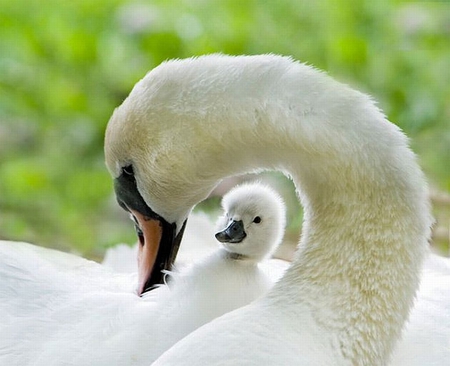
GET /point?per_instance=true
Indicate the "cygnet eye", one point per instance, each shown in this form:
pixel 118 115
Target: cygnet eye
pixel 257 220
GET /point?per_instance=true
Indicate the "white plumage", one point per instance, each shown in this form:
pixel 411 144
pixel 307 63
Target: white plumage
pixel 262 214
pixel 347 296
pixel 58 309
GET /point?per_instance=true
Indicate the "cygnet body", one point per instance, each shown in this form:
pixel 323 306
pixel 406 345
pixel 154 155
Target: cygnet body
pixel 250 230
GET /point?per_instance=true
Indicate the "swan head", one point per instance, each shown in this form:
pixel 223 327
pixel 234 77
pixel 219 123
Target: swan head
pixel 143 175
pixel 253 222
pixel 169 144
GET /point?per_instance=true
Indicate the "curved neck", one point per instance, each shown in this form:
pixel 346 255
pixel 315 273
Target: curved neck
pixel 366 222
pixel 366 215
pixel 357 267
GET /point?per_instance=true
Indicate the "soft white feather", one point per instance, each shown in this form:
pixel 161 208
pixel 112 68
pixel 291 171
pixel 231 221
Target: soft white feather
pixel 58 309
pixel 345 300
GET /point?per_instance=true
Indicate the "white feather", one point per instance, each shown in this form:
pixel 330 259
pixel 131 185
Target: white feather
pixel 58 309
pixel 347 297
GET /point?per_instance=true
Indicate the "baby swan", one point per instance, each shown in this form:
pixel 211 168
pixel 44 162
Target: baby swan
pixel 250 230
pixel 253 222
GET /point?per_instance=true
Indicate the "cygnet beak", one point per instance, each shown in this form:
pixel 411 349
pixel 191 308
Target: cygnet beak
pixel 233 233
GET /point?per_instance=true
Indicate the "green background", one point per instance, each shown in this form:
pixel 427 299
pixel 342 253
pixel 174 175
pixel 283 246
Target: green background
pixel 65 65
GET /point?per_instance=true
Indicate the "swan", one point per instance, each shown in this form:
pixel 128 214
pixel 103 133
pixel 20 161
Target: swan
pixel 347 296
pixel 55 304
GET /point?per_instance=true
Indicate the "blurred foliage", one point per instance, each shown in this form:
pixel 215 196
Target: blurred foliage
pixel 65 65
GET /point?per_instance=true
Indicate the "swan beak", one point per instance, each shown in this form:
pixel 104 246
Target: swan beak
pixel 233 233
pixel 159 240
pixel 158 247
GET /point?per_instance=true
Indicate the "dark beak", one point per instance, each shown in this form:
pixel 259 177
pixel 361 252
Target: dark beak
pixel 233 233
pixel 158 239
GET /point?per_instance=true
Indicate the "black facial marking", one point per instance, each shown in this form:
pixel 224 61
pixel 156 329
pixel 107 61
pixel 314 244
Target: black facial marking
pixel 128 195
pixel 234 233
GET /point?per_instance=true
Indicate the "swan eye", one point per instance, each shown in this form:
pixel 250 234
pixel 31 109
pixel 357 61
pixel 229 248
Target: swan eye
pixel 257 220
pixel 128 170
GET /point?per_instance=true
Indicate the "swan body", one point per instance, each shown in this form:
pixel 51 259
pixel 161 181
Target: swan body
pixel 426 338
pixel 55 304
pixel 46 295
pixel 347 296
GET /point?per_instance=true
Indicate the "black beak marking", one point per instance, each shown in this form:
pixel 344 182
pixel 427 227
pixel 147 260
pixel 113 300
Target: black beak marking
pixel 168 249
pixel 128 195
pixel 233 233
pixel 129 198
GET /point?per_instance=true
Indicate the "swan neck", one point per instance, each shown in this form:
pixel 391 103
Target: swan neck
pixel 366 213
pixel 362 245
pixel 365 229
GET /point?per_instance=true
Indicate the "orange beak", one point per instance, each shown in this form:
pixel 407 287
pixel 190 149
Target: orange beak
pixel 148 247
pixel 159 240
pixel 158 248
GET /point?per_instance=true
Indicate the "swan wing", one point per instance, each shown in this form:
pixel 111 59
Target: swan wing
pixel 425 341
pixel 249 336
pixel 46 294
pixel 54 304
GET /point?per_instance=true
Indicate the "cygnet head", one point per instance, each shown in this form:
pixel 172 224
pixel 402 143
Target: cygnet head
pixel 253 222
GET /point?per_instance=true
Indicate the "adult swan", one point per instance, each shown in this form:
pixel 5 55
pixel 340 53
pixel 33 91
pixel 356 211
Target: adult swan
pixel 346 297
